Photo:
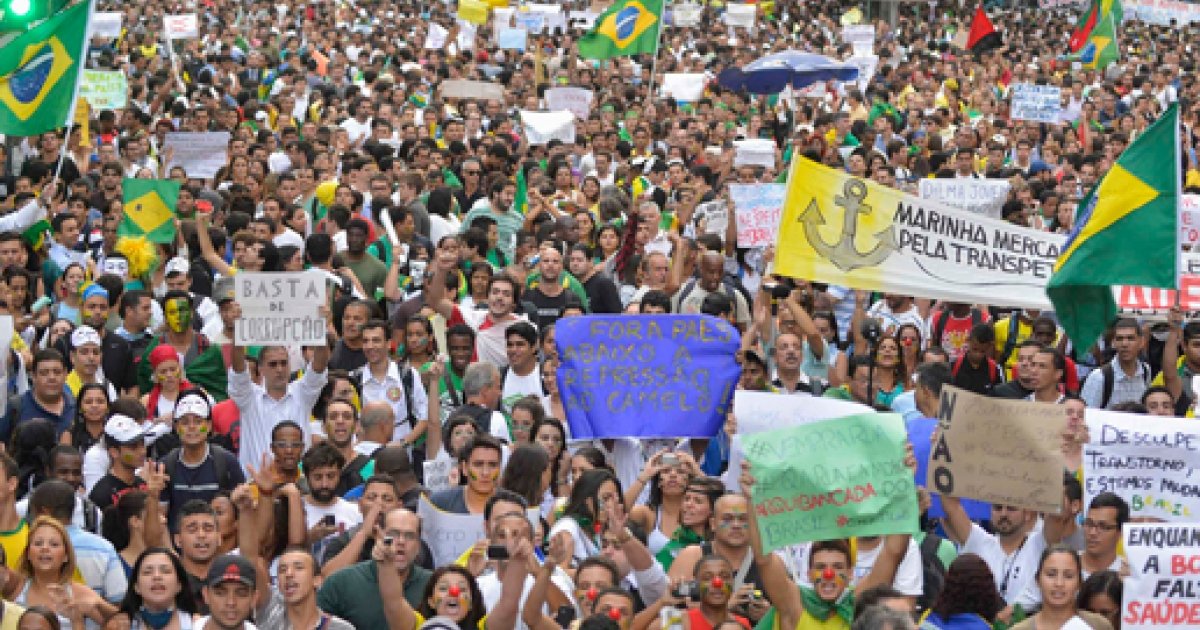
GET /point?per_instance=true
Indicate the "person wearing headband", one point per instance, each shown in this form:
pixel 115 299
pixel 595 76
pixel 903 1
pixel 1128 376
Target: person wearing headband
pixel 86 359
pixel 197 468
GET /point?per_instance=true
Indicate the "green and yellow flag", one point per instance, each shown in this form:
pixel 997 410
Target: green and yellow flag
pixel 521 196
pixel 1094 40
pixel 39 71
pixel 149 209
pixel 1133 209
pixel 628 27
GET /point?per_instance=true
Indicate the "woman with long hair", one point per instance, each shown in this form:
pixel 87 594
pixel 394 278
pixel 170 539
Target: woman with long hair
pixel 69 294
pixel 969 599
pixel 583 518
pixel 668 474
pixel 420 347
pixel 158 597
pixel 124 525
pixel 46 567
pixel 1059 577
pixel 699 503
pixel 909 338
pixel 552 436
pixel 91 412
pixel 1101 594
pixel 526 413
pixel 527 473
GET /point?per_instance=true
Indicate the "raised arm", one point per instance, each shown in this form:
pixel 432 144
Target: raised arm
pixel 207 250
pixel 816 343
pixel 399 615
pixel 435 289
pixel 1170 355
pixel 531 612
pixel 506 612
pixel 780 588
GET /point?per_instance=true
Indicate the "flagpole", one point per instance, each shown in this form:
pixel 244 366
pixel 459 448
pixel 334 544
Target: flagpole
pixel 657 45
pixel 83 48
pixel 1178 199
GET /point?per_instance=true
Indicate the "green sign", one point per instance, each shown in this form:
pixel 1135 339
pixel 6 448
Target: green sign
pixel 832 479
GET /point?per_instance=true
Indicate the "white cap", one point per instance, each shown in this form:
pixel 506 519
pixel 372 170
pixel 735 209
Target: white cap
pixel 123 430
pixel 178 264
pixel 192 403
pixel 84 335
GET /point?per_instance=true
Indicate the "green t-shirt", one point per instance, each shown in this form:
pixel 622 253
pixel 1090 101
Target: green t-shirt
pixel 353 594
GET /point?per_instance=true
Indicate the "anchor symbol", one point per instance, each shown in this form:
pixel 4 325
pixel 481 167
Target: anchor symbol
pixel 844 253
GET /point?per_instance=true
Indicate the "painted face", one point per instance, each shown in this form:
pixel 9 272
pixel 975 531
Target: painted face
pixel 452 597
pixel 178 315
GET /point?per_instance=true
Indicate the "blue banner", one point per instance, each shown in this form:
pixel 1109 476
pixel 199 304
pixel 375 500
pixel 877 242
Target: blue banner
pixel 919 432
pixel 646 375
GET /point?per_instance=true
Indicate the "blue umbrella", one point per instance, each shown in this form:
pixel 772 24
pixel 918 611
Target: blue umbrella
pixel 771 74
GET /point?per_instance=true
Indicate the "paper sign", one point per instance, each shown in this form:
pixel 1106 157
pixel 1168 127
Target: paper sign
pixel 1016 462
pixel 1162 12
pixel 1037 103
pixel 448 535
pixel 919 432
pixel 576 100
pixel 201 154
pixel 650 376
pixel 530 21
pixel 473 11
pixel 463 88
pixel 513 39
pixel 740 15
pixel 106 24
pixel 754 152
pixel 832 479
pixel 6 337
pixel 861 38
pixel 542 127
pixel 1152 462
pixel 686 14
pixel 686 87
pixel 552 15
pixel 867 65
pixel 280 308
pixel 435 38
pixel 981 196
pixel 714 216
pixel 104 89
pixel 584 20
pixel 501 19
pixel 183 26
pixel 757 208
pixel 1164 566
pixel 437 474
pixel 1189 218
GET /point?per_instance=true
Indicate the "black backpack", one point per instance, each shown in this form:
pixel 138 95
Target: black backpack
pixel 940 328
pixel 1110 381
pixel 406 380
pixel 220 458
pixel 933 570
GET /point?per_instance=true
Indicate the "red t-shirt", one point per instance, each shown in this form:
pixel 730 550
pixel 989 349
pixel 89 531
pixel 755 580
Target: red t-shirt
pixel 696 620
pixel 957 332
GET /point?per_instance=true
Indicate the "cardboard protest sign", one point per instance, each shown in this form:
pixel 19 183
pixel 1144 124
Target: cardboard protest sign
pixel 981 196
pixel 919 432
pixel 898 243
pixel 649 376
pixel 181 26
pixel 280 308
pixel 1148 461
pixel 1164 566
pixel 757 208
pixel 1037 103
pixel 200 153
pixel 832 479
pixel 1016 462
pixel 713 216
pixel 104 89
pixel 464 88
pixel 576 100
pixel 542 127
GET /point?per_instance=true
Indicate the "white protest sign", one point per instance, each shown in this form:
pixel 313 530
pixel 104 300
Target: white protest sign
pixel 183 26
pixel 531 21
pixel 757 209
pixel 582 19
pixel 764 411
pixel 576 100
pixel 106 24
pixel 435 38
pixel 280 308
pixel 1189 218
pixel 867 65
pixel 1161 12
pixel 552 15
pixel 740 15
pixel 437 474
pixel 1150 461
pixel 686 14
pixel 513 39
pixel 502 18
pixel 754 152
pixel 464 88
pixel 6 335
pixel 1164 566
pixel 200 153
pixel 448 535
pixel 542 127
pixel 714 215
pixel 1036 103
pixel 982 196
pixel 466 36
pixel 104 89
pixel 861 38
pixel 685 87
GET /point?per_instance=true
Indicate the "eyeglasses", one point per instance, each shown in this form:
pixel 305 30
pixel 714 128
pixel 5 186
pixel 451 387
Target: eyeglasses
pixel 1100 525
pixel 275 364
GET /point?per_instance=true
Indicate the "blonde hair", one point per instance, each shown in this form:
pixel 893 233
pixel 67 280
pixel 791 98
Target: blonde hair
pixel 68 569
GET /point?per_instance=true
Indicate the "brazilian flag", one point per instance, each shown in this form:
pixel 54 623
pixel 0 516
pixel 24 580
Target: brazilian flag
pixel 39 71
pixel 149 209
pixel 628 27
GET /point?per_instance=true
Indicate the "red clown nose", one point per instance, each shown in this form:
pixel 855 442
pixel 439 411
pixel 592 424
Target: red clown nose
pixel 718 582
pixel 455 591
pixel 614 614
pixel 592 593
pixel 827 575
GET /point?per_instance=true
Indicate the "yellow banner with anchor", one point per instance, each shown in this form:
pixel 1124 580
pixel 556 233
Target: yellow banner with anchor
pixel 852 232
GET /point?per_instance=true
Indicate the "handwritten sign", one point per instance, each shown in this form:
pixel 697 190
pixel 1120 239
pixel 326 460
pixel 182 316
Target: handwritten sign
pixel 741 15
pixel 686 14
pixel 448 535
pixel 713 216
pixel 104 89
pixel 861 38
pixel 1037 103
pixel 576 100
pixel 1016 462
pixel 1164 564
pixel 648 376
pixel 1162 12
pixel 981 196
pixel 1151 462
pixel 1189 218
pixel 754 152
pixel 832 479
pixel 200 153
pixel 184 26
pixel 920 430
pixel 757 208
pixel 437 474
pixel 280 308
pixel 464 88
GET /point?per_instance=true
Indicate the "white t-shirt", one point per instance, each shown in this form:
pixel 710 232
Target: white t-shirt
pixel 490 586
pixel 1015 573
pixel 344 513
pixel 517 387
pixel 910 576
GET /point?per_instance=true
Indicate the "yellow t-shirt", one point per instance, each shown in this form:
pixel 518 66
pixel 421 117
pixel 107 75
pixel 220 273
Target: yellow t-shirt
pixel 809 622
pixel 14 542
pixel 1001 327
pixel 12 616
pixel 421 621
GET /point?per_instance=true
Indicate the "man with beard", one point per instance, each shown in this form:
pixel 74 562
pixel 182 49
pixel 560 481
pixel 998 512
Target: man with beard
pixel 353 593
pixel 341 424
pixel 324 510
pixel 1012 552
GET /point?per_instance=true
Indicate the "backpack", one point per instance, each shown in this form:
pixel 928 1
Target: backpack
pixel 994 371
pixel 934 572
pixel 406 380
pixel 220 458
pixel 91 516
pixel 1110 378
pixel 940 328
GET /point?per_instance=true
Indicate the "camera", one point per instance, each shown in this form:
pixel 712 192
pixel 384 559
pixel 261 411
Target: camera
pixel 687 590
pixel 497 552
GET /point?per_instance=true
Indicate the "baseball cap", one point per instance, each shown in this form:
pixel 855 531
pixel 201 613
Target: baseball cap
pixel 84 335
pixel 231 568
pixel 177 264
pixel 123 430
pixel 223 291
